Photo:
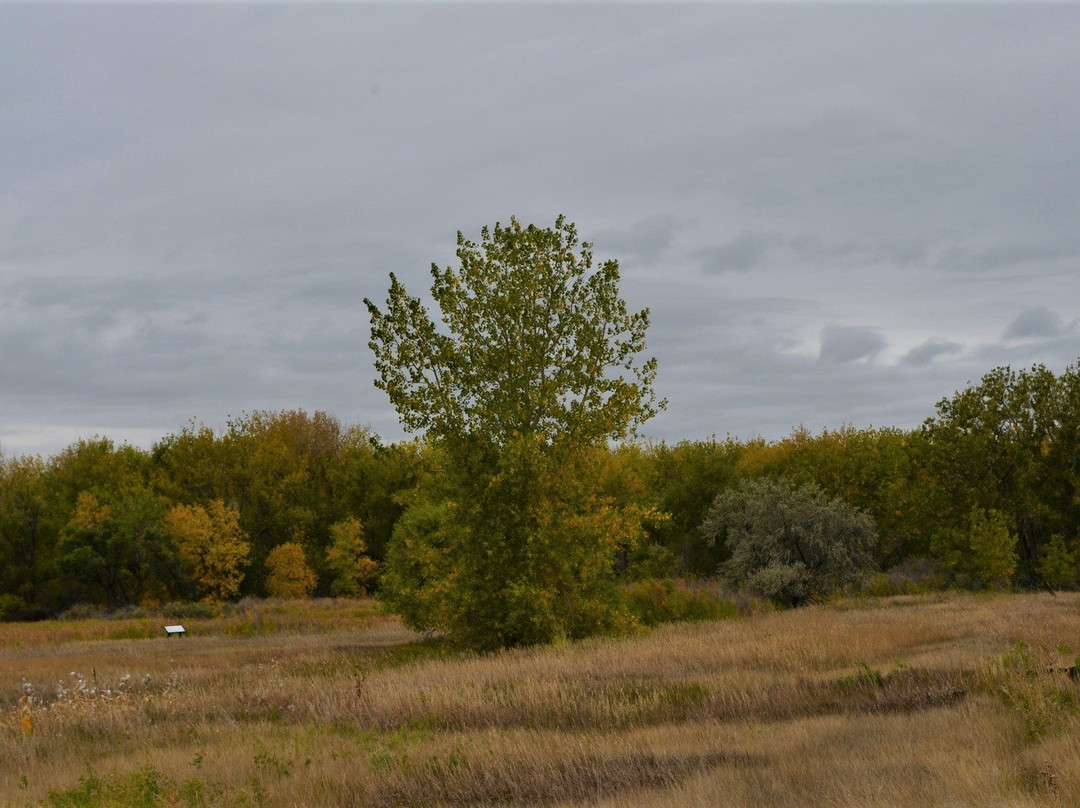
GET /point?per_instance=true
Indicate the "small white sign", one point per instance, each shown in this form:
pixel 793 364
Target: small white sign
pixel 170 630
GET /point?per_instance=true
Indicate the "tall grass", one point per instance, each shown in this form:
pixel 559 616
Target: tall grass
pixel 246 618
pixel 913 700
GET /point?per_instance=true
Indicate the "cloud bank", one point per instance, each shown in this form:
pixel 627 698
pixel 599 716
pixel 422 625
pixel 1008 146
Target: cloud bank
pixel 194 200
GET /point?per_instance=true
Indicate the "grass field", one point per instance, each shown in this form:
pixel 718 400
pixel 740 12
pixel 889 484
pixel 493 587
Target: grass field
pixel 933 700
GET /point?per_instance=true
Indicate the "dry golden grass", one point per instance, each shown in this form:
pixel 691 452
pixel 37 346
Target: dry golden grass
pixel 942 700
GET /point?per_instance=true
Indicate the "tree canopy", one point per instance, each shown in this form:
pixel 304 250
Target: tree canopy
pixel 1011 444
pixel 529 339
pixel 531 367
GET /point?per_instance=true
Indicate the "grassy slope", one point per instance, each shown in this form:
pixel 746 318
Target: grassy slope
pixel 905 701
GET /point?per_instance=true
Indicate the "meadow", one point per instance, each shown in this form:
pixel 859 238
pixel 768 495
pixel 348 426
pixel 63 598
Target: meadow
pixel 948 699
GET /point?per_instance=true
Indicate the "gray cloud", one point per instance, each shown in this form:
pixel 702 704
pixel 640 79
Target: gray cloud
pixel 930 350
pixel 1010 255
pixel 751 250
pixel 746 251
pixel 763 383
pixel 840 344
pixel 194 200
pixel 644 240
pixel 1035 323
pixel 892 252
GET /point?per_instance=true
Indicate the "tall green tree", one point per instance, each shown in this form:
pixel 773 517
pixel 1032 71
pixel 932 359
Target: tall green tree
pixel 117 550
pixel 1011 444
pixel 347 559
pixel 284 491
pixel 367 481
pixel 684 479
pixel 105 522
pixel 25 540
pixel 532 365
pixel 982 554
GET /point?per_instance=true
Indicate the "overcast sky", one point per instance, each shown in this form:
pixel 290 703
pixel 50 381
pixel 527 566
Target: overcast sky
pixel 836 214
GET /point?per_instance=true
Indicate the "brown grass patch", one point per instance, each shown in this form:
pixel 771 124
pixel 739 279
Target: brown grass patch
pixel 901 701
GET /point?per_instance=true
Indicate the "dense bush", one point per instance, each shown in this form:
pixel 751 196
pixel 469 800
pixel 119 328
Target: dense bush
pixel 12 607
pixel 655 601
pixel 187 609
pixel 981 554
pixel 1058 564
pixel 911 577
pixel 788 543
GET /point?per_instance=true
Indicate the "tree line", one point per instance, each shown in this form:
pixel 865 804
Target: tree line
pixel 529 503
pixel 201 514
pixel 278 503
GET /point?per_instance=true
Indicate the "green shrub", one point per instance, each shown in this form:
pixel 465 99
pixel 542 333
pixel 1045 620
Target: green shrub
pixel 1058 564
pixel 993 547
pixel 144 788
pixel 881 585
pixel 982 556
pixel 914 576
pixel 865 677
pixel 790 544
pixel 191 610
pixel 649 560
pixel 149 788
pixel 1041 693
pixel 655 601
pixel 12 607
pixel 416 560
pixel 83 611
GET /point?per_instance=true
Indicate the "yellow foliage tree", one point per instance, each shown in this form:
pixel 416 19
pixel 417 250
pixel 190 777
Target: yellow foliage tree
pixel 289 574
pixel 346 557
pixel 89 513
pixel 213 548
